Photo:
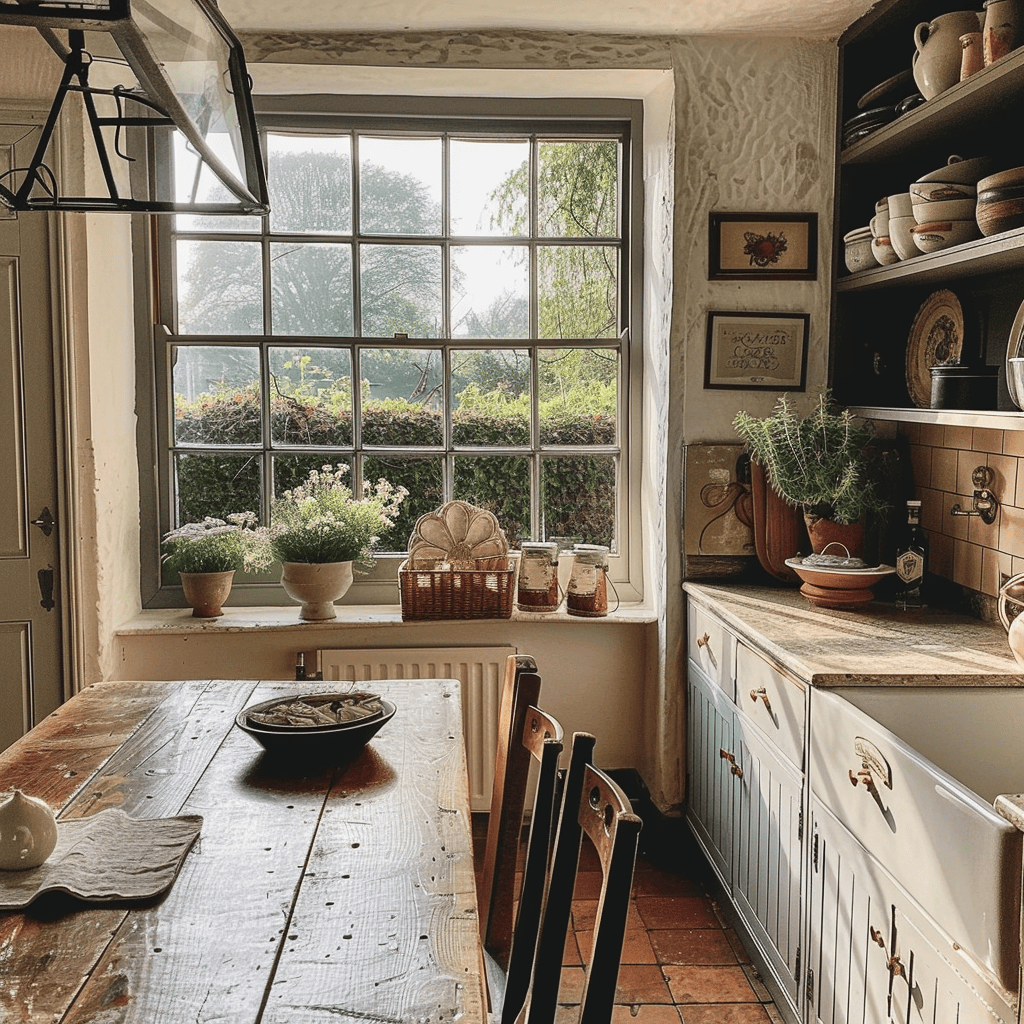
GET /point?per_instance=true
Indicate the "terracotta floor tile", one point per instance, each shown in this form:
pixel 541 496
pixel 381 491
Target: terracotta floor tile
pixel 725 1013
pixel 649 880
pixel 706 946
pixel 584 914
pixel 641 983
pixel 571 953
pixel 676 912
pixel 570 987
pixel 692 984
pixel 636 947
pixel 646 1013
pixel 588 885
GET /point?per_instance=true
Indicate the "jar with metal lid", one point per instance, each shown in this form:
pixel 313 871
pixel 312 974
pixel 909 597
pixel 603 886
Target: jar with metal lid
pixel 538 577
pixel 587 593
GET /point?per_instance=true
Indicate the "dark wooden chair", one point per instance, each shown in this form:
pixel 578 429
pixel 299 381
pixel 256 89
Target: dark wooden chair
pixel 592 805
pixel 541 736
pixel 496 894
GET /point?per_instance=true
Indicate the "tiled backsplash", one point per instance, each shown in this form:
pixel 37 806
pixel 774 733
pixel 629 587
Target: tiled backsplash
pixel 965 549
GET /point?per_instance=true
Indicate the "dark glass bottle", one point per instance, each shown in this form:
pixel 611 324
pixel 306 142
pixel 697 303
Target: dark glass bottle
pixel 911 559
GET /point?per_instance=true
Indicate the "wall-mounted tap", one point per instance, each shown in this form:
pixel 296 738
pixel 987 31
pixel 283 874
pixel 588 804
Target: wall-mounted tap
pixel 985 504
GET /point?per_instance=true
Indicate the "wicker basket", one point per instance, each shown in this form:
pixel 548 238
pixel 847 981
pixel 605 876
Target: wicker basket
pixel 478 580
pixel 457 593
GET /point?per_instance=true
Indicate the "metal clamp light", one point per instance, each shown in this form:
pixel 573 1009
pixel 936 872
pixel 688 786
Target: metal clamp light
pixel 189 75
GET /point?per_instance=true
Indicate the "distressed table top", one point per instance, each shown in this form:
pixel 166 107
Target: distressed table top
pixel 311 894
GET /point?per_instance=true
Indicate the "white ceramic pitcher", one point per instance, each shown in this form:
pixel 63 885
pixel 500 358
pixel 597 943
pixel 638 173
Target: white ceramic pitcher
pixel 938 53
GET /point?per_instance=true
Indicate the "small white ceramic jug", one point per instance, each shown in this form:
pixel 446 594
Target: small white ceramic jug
pixel 28 831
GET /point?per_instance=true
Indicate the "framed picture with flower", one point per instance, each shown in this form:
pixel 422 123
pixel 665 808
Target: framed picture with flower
pixel 763 247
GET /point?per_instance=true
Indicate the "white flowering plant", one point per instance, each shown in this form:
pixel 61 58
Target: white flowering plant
pixel 210 546
pixel 321 520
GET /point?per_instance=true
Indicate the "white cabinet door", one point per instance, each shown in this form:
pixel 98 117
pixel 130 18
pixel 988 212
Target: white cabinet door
pixel 712 777
pixel 875 956
pixel 766 878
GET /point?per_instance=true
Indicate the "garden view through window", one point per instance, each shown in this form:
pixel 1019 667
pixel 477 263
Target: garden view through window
pixel 444 308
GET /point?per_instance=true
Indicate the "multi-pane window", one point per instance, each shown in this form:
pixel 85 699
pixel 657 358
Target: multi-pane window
pixel 444 306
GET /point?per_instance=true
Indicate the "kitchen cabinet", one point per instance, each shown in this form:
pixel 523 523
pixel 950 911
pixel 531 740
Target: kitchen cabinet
pixel 851 820
pixel 874 309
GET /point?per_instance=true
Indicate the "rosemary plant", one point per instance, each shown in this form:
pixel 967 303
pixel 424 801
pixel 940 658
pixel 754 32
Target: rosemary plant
pixel 819 463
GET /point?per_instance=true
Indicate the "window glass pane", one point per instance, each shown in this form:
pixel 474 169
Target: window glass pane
pixel 220 288
pixel 216 395
pixel 500 484
pixel 399 186
pixel 578 189
pixel 311 288
pixel 490 291
pixel 577 291
pixel 292 470
pixel 490 187
pixel 578 497
pixel 578 395
pixel 195 182
pixel 309 178
pixel 491 397
pixel 216 484
pixel 423 478
pixel 403 396
pixel 401 290
pixel 310 397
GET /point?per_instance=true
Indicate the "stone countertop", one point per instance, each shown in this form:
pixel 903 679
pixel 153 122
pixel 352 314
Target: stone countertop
pixel 876 645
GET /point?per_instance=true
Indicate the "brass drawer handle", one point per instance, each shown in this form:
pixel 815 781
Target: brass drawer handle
pixel 731 758
pixel 865 778
pixel 702 641
pixel 761 693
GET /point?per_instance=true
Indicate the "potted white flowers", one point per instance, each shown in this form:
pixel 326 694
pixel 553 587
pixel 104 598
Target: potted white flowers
pixel 206 557
pixel 318 529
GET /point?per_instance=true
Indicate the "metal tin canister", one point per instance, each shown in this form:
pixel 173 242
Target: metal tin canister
pixel 587 593
pixel 538 577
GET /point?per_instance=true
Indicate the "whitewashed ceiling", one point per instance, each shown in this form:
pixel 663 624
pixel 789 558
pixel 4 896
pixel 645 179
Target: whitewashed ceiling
pixel 807 18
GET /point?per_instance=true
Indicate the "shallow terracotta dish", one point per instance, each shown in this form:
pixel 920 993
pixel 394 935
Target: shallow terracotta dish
pixel 838 588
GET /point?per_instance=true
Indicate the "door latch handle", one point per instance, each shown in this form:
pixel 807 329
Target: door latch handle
pixel 45 522
pixel 763 694
pixel 726 755
pixel 46 589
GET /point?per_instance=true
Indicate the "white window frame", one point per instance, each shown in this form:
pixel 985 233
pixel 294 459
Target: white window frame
pixel 379 587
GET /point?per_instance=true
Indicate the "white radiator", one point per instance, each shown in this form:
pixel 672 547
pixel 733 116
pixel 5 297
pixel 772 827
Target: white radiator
pixel 480 670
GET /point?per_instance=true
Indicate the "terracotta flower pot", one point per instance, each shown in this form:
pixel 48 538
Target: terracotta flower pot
pixel 823 532
pixel 316 586
pixel 207 591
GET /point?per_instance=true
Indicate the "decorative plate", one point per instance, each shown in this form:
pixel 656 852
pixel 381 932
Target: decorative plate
pixel 899 83
pixel 1013 349
pixel 459 534
pixel 936 339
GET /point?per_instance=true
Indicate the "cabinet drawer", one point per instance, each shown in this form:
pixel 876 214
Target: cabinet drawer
pixel 948 848
pixel 772 701
pixel 711 647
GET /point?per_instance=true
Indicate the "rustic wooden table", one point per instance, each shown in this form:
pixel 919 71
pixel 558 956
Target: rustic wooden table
pixel 309 896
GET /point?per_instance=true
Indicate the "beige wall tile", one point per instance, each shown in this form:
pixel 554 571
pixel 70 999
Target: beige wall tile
pixel 957 437
pixel 1013 442
pixel 980 532
pixel 911 431
pixel 932 433
pixel 1004 485
pixel 987 440
pixel 940 555
pixel 944 469
pixel 932 509
pixel 954 526
pixel 1018 498
pixel 921 466
pixel 992 564
pixel 1011 530
pixel 967 564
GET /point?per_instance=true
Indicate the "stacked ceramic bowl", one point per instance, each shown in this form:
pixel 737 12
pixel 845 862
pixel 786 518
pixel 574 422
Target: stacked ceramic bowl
pixel 857 250
pixel 881 244
pixel 1001 201
pixel 901 224
pixel 944 212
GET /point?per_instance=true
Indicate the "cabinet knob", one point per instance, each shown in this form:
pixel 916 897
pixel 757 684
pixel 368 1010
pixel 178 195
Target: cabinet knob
pixel 726 755
pixel 702 641
pixel 762 694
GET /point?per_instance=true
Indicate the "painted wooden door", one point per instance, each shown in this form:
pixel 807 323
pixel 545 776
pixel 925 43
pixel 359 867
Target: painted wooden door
pixel 31 602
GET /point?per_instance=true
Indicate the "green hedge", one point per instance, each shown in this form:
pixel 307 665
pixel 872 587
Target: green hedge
pixel 578 492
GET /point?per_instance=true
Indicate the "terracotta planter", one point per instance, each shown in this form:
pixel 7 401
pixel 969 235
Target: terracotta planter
pixel 316 586
pixel 206 591
pixel 823 532
pixel 778 528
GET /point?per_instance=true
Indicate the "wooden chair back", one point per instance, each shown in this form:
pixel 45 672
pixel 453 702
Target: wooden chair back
pixel 496 897
pixel 592 805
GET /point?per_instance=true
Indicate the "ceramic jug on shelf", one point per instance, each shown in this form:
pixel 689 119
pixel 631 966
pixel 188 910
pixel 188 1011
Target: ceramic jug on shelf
pixel 938 54
pixel 1002 28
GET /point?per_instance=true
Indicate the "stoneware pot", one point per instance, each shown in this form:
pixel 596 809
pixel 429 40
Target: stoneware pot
pixel 316 586
pixel 1002 28
pixel 938 53
pixel 206 592
pixel 823 532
